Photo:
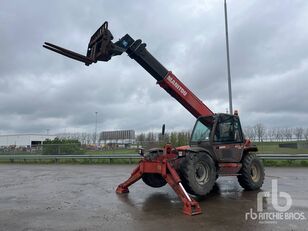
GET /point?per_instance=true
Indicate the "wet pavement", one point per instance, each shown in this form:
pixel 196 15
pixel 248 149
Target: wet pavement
pixel 82 197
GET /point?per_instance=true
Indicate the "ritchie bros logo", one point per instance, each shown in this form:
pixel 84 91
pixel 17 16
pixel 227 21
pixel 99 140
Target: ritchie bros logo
pixel 281 212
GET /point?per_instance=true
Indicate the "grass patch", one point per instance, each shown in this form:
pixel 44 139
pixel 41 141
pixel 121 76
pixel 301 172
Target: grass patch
pixel 273 147
pixel 285 163
pixel 111 151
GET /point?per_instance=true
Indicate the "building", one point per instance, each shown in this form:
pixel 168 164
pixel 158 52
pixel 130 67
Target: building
pixel 117 138
pixel 24 140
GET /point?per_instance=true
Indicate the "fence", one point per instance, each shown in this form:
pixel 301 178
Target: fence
pixel 77 149
pixel 128 157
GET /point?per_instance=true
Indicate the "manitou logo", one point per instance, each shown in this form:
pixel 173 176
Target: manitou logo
pixel 176 85
pixel 281 212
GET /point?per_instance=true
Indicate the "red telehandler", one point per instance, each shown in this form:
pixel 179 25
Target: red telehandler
pixel 217 145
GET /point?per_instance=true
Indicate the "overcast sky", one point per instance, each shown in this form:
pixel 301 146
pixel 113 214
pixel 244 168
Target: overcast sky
pixel 42 90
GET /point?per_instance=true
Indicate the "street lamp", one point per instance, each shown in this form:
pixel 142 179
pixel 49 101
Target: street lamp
pixel 228 60
pixel 95 136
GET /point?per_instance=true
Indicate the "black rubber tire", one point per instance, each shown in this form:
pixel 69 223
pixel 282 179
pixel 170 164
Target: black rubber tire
pixel 252 172
pixel 198 173
pixel 153 154
pixel 154 180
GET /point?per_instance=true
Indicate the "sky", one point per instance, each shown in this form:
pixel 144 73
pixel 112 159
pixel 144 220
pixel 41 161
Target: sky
pixel 41 90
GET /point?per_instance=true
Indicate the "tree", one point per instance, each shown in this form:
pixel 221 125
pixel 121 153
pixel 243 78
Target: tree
pixel 298 132
pixel 93 138
pixel 306 134
pixel 287 133
pixel 141 139
pixel 163 138
pixel 173 138
pixel 181 139
pixel 83 138
pixel 271 133
pixel 259 130
pixel 279 134
pixel 249 133
pixel 150 137
pixel 60 146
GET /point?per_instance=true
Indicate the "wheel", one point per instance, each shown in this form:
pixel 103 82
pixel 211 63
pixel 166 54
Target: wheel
pixel 198 173
pixel 153 153
pixel 252 172
pixel 154 180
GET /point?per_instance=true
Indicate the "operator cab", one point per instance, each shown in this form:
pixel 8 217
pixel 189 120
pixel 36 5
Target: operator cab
pixel 221 135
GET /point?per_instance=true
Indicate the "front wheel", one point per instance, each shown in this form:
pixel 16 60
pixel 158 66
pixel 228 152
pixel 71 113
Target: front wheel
pixel 198 173
pixel 252 172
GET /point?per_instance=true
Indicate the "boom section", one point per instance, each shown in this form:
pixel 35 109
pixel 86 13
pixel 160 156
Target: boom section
pixel 101 48
pixel 166 79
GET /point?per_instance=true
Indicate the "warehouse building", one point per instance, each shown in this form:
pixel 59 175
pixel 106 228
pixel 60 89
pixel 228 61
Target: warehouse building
pixel 24 140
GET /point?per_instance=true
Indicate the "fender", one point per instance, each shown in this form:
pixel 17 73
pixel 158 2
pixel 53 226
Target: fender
pixel 195 149
pixel 248 147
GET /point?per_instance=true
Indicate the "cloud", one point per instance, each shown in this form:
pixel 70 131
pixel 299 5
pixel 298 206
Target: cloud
pixel 41 90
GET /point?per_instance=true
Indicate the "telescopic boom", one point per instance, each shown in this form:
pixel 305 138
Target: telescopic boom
pixel 101 48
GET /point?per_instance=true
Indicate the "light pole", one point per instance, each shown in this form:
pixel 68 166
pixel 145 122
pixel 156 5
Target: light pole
pixel 95 136
pixel 228 59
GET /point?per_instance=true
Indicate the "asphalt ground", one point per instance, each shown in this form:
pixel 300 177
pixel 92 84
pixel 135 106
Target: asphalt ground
pixel 82 197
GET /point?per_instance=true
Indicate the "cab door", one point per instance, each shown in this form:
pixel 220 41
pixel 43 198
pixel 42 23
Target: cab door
pixel 228 139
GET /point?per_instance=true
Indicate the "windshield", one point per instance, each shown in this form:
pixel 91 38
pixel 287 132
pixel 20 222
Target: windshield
pixel 202 131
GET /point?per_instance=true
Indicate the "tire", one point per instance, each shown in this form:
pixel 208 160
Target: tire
pixel 252 172
pixel 153 153
pixel 154 180
pixel 198 173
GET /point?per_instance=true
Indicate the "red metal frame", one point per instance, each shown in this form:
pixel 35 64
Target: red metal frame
pixel 182 94
pixel 162 165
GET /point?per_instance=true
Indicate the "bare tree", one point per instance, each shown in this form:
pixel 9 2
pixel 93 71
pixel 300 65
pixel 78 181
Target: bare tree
pixel 259 130
pixel 93 138
pixel 83 138
pixel 150 137
pixel 88 139
pixel 279 134
pixel 249 132
pixel 298 132
pixel 287 133
pixel 306 134
pixel 141 139
pixel 271 133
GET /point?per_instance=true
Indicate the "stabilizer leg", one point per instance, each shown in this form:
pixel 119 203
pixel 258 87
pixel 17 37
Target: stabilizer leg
pixel 135 176
pixel 190 206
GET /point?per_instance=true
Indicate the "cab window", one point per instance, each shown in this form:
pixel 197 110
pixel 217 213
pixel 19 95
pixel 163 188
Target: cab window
pixel 228 131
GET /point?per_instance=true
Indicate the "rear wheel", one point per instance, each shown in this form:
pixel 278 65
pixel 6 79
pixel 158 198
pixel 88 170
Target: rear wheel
pixel 154 180
pixel 252 172
pixel 198 173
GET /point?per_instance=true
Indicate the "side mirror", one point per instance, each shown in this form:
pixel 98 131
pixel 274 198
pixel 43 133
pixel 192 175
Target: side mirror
pixel 163 130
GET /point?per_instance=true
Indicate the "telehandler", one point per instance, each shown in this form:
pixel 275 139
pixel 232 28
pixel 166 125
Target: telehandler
pixel 217 146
